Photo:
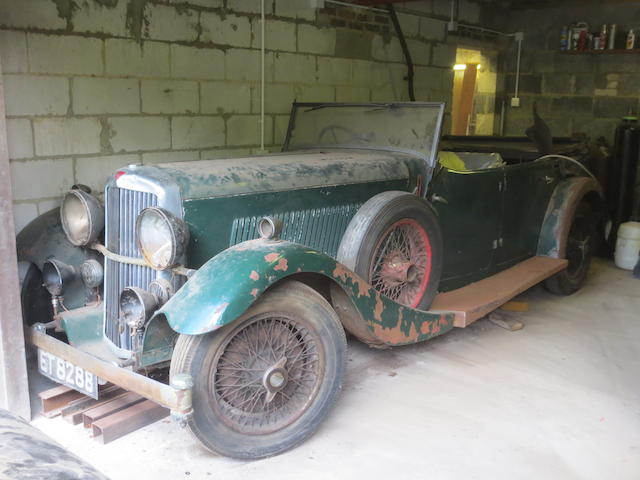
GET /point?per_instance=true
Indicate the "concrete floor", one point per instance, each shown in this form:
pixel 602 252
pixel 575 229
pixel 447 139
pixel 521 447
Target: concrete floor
pixel 559 399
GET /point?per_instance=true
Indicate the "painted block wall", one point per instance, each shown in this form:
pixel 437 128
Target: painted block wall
pixel 583 93
pixel 93 85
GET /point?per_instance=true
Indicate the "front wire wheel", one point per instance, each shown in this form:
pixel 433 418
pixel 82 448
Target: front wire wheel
pixel 266 374
pixel 401 263
pixel 265 383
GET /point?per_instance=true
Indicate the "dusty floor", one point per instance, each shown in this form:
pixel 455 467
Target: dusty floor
pixel 559 399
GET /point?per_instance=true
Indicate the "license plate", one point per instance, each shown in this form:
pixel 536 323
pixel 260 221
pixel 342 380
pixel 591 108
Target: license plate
pixel 66 373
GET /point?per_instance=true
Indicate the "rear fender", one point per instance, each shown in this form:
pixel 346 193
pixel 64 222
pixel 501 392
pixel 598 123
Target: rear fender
pixel 228 284
pixel 552 241
pixel 43 239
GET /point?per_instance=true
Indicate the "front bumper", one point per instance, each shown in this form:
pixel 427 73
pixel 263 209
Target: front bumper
pixel 176 397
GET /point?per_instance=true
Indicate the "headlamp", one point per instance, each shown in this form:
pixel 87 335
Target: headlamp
pixel 56 276
pixel 162 237
pixel 82 217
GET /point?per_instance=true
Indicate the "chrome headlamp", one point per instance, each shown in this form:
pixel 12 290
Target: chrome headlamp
pixel 56 276
pixel 162 237
pixel 136 306
pixel 82 217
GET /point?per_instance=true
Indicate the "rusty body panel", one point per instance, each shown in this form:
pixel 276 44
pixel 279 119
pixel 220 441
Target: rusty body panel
pixel 230 282
pixel 476 300
pixel 562 206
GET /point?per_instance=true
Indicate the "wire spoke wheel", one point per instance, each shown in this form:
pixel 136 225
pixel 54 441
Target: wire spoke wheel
pixel 394 242
pixel 401 262
pixel 266 375
pixel 265 382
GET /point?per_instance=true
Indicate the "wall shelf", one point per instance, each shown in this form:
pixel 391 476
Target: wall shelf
pixel 600 52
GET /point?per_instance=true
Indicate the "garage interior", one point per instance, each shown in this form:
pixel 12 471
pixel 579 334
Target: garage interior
pixel 91 86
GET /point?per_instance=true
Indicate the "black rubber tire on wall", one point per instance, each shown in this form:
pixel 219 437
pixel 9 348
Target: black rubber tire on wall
pixel 371 223
pixel 201 357
pixel 571 279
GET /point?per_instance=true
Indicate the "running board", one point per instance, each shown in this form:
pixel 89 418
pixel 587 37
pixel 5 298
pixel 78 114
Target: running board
pixel 477 299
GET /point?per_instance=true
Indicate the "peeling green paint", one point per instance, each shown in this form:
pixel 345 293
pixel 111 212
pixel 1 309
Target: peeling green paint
pixel 227 285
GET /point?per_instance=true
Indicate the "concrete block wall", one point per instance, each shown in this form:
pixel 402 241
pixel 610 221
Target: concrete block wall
pixel 575 93
pixel 93 85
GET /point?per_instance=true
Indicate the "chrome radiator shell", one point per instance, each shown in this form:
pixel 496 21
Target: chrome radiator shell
pixel 131 190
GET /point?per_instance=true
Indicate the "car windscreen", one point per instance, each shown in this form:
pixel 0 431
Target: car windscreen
pixel 413 127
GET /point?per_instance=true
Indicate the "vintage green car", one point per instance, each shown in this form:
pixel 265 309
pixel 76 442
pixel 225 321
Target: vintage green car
pixel 241 276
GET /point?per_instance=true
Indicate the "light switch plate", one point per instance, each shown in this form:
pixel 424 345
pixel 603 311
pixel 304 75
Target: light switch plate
pixel 515 102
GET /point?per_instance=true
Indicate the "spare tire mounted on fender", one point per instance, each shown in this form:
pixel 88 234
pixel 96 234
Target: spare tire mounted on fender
pixel 395 243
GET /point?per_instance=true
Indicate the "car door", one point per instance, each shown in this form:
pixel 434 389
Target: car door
pixel 469 205
pixel 527 189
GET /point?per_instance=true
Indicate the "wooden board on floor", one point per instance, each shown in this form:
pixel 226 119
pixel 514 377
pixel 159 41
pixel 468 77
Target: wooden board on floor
pixel 478 299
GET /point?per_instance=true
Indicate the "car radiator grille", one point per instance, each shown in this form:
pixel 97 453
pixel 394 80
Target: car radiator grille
pixel 318 228
pixel 122 209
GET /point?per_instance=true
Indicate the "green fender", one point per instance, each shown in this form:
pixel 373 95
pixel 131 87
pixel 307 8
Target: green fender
pixel 43 239
pixel 566 197
pixel 230 282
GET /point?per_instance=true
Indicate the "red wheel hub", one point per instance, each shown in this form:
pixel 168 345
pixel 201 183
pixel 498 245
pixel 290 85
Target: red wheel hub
pixel 401 263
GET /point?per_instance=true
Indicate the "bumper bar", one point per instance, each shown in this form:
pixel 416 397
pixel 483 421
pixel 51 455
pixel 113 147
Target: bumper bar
pixel 176 397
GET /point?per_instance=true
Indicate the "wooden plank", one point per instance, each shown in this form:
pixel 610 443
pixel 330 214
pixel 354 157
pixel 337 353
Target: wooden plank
pixel 73 412
pixel 109 408
pixel 56 398
pixel 515 306
pixel 128 420
pixel 478 299
pixel 14 386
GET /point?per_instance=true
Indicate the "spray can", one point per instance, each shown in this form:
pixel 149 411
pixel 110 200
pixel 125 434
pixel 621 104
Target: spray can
pixel 612 36
pixel 631 40
pixel 582 41
pixel 603 37
pixel 564 38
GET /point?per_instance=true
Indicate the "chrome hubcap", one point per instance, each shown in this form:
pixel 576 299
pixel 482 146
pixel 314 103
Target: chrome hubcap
pixel 275 379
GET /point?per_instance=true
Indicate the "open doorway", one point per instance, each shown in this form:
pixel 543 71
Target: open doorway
pixel 474 92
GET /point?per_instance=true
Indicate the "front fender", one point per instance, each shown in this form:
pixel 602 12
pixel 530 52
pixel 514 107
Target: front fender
pixel 566 197
pixel 231 281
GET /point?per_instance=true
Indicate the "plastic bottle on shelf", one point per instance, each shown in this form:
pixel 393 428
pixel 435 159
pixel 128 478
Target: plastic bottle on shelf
pixel 631 40
pixel 604 35
pixel 612 36
pixel 564 38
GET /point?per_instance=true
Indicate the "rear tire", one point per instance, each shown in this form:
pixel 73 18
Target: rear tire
pixel 581 242
pixel 395 243
pixel 264 383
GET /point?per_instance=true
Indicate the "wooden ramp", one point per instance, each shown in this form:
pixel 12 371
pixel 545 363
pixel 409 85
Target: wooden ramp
pixel 478 299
